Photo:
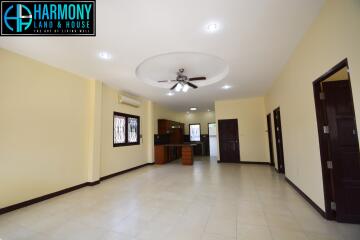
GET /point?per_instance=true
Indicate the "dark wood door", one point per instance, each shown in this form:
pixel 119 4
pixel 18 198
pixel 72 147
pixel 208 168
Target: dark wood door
pixel 344 149
pixel 279 141
pixel 229 140
pixel 269 131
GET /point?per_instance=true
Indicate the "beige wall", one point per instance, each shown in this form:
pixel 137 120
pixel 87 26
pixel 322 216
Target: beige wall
pixel 334 35
pixel 94 126
pixel 44 129
pixel 198 117
pixel 121 158
pixel 161 112
pixel 251 117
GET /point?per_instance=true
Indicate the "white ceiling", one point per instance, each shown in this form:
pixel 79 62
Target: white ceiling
pixel 256 39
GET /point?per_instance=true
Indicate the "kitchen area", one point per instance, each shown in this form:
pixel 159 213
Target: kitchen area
pixel 171 142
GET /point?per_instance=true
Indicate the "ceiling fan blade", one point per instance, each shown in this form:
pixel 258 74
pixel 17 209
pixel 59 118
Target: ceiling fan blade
pixel 192 85
pixel 166 81
pixel 197 78
pixel 173 87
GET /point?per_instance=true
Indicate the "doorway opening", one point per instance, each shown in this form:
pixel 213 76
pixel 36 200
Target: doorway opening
pixel 279 141
pixel 212 139
pixel 229 141
pixel 270 139
pixel 339 144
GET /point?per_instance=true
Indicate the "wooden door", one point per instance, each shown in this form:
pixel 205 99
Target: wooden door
pixel 229 140
pixel 279 141
pixel 269 131
pixel 344 159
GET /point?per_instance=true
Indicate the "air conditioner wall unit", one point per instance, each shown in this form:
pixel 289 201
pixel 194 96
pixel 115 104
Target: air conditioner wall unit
pixel 129 101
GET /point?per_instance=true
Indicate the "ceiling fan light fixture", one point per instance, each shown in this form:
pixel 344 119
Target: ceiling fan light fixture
pixel 170 94
pixel 193 109
pixel 185 88
pixel 178 87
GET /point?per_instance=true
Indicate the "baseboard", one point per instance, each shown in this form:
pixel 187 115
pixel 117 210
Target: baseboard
pixel 124 171
pixel 311 202
pixel 93 183
pixel 259 163
pixel 246 162
pixel 40 199
pixel 219 161
pixel 64 191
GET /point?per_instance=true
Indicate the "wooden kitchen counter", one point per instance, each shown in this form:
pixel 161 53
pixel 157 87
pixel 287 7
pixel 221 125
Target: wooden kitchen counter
pixel 163 153
pixel 187 156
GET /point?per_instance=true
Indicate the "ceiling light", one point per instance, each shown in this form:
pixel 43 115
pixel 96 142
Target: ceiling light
pixel 185 88
pixel 226 87
pixel 105 55
pixel 178 87
pixel 170 94
pixel 212 27
pixel 193 109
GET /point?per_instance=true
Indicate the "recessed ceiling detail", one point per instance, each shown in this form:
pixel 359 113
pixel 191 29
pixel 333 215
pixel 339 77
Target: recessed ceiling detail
pixel 165 66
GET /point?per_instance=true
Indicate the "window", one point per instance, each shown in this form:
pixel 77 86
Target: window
pixel 126 129
pixel 194 132
pixel 119 129
pixel 132 130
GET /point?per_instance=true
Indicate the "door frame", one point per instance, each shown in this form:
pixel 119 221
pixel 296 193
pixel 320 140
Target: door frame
pixel 321 121
pixel 270 139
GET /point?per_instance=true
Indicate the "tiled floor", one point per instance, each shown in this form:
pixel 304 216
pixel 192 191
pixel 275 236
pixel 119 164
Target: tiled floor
pixel 208 201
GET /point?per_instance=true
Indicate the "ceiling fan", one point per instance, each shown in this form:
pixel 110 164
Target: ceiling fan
pixel 183 82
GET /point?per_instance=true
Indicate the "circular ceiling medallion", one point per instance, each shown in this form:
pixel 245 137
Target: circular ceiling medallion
pixel 165 66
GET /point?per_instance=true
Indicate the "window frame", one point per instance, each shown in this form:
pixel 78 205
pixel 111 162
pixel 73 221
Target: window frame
pixel 191 124
pixel 126 143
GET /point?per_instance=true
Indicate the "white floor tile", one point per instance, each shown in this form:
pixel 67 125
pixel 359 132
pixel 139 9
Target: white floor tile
pixel 208 201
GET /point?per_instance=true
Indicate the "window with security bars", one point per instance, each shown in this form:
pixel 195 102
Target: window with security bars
pixel 132 129
pixel 126 129
pixel 119 129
